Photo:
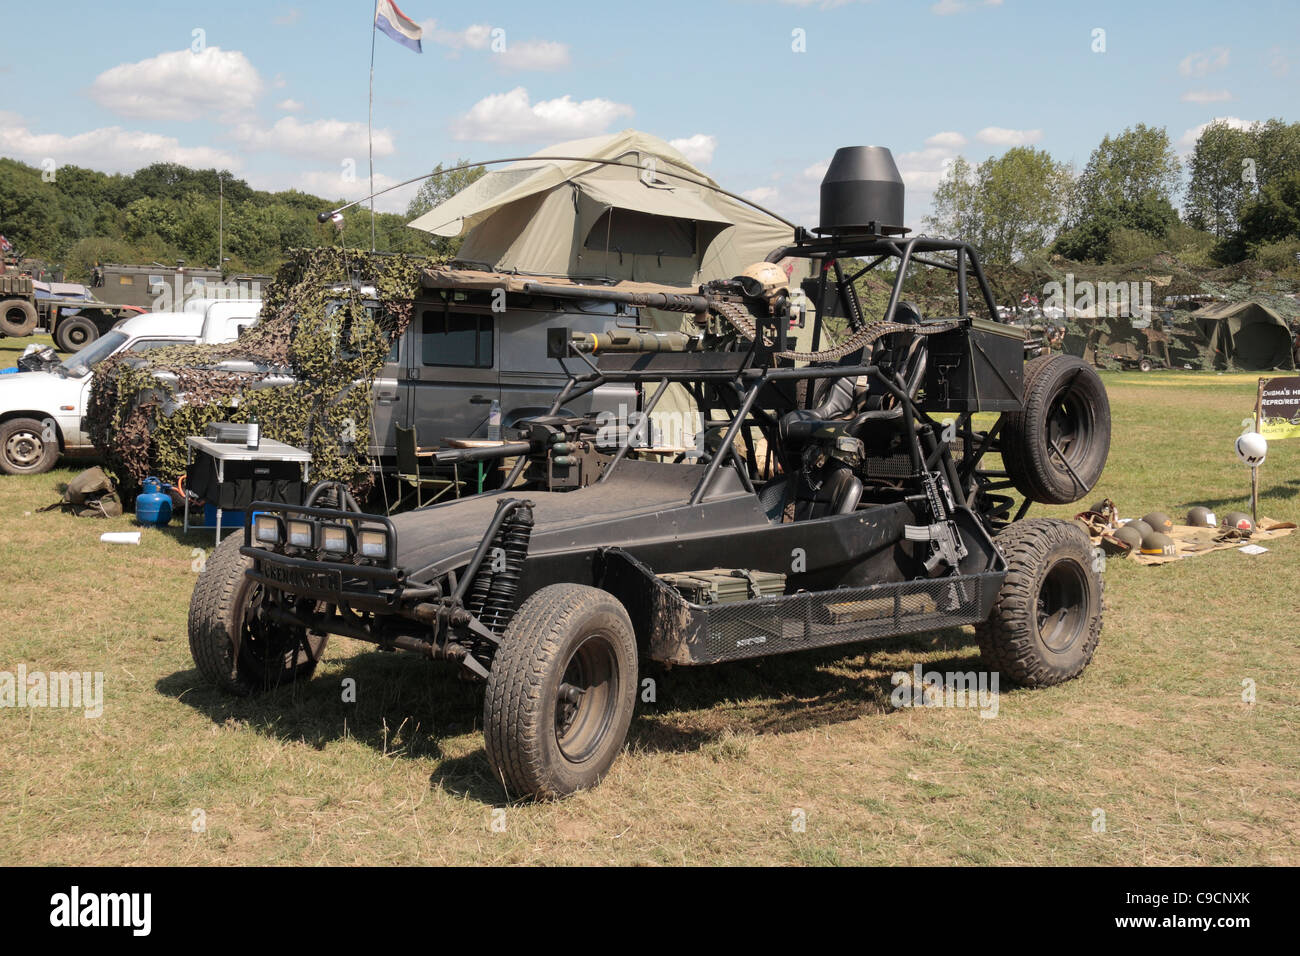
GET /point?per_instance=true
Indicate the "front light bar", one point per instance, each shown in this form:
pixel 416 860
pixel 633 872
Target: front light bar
pixel 331 535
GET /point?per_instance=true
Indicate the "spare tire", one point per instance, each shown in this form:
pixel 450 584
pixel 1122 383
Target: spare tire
pixel 1055 449
pixel 17 317
pixel 75 333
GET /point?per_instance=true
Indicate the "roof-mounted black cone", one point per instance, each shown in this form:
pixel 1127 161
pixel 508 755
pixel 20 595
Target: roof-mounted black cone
pixel 862 193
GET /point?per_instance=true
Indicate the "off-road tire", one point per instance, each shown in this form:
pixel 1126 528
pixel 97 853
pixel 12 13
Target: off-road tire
pixel 1050 569
pixel 75 333
pixel 24 449
pixel 1066 401
pixel 17 317
pixel 217 620
pixel 557 632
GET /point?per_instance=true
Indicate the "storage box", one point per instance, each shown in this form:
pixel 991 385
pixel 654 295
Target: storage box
pixel 976 368
pixel 228 433
pixel 724 585
pixel 245 482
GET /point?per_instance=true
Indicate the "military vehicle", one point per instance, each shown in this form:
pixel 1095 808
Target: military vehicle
pixel 847 499
pixel 67 311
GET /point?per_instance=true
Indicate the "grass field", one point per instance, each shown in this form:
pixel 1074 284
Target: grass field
pixel 1155 735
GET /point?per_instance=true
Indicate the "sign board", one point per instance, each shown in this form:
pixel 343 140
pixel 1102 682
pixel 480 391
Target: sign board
pixel 1278 410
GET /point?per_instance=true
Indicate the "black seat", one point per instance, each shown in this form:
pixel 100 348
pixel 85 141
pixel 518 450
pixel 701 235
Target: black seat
pixel 839 494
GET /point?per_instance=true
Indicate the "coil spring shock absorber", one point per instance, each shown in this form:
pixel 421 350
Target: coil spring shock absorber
pixel 492 597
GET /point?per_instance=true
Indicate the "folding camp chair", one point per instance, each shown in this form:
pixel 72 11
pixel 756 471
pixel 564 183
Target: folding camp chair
pixel 408 471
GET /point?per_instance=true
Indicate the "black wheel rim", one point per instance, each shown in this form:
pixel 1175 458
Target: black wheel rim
pixel 1069 425
pixel 267 647
pixel 1062 607
pixel 78 336
pixel 586 698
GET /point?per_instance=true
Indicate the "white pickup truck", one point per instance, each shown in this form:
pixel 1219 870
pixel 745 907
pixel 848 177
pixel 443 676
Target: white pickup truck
pixel 41 413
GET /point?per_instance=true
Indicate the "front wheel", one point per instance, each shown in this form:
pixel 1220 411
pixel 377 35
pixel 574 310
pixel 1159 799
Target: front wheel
pixel 233 643
pixel 27 447
pixel 561 691
pixel 1046 622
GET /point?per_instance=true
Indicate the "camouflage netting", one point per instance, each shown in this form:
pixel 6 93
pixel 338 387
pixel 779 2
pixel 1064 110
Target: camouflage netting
pixel 325 339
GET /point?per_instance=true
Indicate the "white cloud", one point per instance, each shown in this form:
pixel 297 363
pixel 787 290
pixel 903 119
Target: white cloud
pixel 110 148
pixel 1278 64
pixel 946 8
pixel 289 106
pixel 180 85
pixel 763 195
pixel 506 53
pixel 511 117
pixel 816 171
pixel 1204 62
pixel 948 140
pixel 319 139
pixel 1206 96
pixel 697 149
pixel 999 136
pixel 289 17
pixel 1189 138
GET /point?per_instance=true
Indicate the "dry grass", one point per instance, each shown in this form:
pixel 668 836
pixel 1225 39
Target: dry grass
pixel 1155 733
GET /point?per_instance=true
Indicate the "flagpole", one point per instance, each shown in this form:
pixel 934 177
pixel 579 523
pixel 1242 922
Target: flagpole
pixel 370 123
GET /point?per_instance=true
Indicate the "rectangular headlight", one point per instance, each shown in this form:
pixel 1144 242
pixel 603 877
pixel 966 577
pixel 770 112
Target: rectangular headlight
pixel 300 533
pixel 334 538
pixel 266 529
pixel 372 544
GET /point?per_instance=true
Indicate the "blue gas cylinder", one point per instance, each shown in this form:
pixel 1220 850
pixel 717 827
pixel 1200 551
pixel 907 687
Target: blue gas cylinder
pixel 153 505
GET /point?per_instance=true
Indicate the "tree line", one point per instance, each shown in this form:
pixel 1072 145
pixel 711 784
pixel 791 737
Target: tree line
pixel 1241 199
pixel 76 217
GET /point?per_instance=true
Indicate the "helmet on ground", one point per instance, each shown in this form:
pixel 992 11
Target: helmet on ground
pixel 1159 543
pixel 1129 536
pixel 1159 521
pixel 1199 517
pixel 1238 521
pixel 1141 526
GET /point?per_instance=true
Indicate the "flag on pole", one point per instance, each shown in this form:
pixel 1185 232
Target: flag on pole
pixel 396 24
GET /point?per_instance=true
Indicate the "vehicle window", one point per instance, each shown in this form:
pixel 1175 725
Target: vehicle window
pixel 459 339
pixel 144 345
pixel 79 363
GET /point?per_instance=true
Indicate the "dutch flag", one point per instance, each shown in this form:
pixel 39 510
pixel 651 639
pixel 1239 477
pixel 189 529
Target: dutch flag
pixel 396 24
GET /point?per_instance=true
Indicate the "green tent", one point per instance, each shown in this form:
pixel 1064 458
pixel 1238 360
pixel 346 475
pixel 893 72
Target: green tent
pixel 1248 335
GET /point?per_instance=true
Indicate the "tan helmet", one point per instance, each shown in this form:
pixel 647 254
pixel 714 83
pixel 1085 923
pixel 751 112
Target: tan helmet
pixel 766 279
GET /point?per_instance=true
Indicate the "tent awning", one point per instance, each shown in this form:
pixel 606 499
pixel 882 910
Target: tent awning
pixel 654 201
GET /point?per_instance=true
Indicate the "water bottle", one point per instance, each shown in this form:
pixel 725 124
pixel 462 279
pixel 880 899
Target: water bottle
pixel 252 438
pixel 494 421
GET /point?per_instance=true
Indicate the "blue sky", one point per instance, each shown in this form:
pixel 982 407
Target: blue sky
pixel 277 91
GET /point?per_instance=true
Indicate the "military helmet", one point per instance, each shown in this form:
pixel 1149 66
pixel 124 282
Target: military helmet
pixel 1238 521
pixel 766 279
pixel 1200 517
pixel 1141 526
pixel 1129 536
pixel 1159 543
pixel 1159 521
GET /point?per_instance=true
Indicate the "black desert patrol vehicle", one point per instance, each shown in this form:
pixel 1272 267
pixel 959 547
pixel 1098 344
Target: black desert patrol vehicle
pixel 846 498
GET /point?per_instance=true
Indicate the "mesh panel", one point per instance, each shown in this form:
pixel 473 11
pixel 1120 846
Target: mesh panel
pixel 820 619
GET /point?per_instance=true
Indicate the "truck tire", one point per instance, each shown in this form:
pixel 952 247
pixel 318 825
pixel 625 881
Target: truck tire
pixel 1065 406
pixel 17 317
pixel 27 447
pixel 561 692
pixel 1046 621
pixel 224 616
pixel 75 333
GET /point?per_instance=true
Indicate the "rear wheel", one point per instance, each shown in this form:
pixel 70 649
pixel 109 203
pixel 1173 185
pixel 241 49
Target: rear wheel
pixel 1055 448
pixel 561 691
pixel 75 333
pixel 233 643
pixel 1046 622
pixel 27 447
pixel 17 317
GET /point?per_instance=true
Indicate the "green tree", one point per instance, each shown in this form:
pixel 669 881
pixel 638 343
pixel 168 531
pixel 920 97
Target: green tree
pixel 1007 207
pixel 1220 169
pixel 1133 167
